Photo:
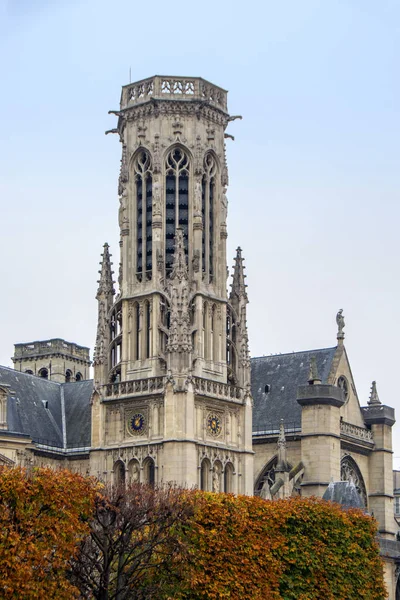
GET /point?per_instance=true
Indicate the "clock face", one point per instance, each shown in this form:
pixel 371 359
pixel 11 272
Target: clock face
pixel 137 423
pixel 214 424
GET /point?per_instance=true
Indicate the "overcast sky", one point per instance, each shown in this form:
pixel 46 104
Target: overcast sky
pixel 314 168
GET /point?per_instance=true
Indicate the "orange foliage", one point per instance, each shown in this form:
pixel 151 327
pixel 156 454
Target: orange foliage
pixel 43 516
pixel 300 549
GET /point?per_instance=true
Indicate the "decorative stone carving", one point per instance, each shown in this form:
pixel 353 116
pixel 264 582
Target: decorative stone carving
pixel 216 480
pixel 180 334
pixel 123 174
pixel 156 197
pixel 340 324
pixel 197 198
pixel 156 154
pixel 373 397
pixel 160 260
pixel 361 433
pixel 198 156
pixel 196 261
pixel 224 207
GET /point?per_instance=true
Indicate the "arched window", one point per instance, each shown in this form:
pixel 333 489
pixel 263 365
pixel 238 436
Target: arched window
pixel 119 473
pixel 266 479
pixel 149 471
pixel 205 474
pixel 78 376
pixel 144 215
pixel 68 375
pixel 228 478
pixel 29 372
pixel 349 471
pixel 176 201
pixel 44 373
pixel 208 199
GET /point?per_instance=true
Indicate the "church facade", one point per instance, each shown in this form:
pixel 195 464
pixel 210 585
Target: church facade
pixel 175 395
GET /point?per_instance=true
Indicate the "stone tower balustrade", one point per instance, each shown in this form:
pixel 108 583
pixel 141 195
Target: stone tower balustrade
pixel 162 87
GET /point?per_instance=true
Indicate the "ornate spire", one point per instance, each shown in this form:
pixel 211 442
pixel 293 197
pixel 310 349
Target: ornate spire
pixel 106 284
pixel 180 331
pixel 340 324
pixel 179 266
pixel 313 377
pixel 238 284
pixel 373 397
pixel 282 461
pixel 99 354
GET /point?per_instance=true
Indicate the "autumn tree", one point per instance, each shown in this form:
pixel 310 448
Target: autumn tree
pixel 135 543
pixel 246 548
pixel 43 516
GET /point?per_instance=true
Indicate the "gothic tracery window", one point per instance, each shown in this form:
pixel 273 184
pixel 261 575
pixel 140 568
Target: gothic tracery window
pixel 177 201
pixel 144 191
pixel 349 471
pixel 267 479
pixel 208 195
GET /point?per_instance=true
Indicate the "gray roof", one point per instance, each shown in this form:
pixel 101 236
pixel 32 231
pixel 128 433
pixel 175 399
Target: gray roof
pixel 283 373
pixel 77 413
pixel 35 409
pixel 344 493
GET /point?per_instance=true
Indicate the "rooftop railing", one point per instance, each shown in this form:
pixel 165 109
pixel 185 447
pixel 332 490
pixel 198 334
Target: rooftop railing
pixel 163 87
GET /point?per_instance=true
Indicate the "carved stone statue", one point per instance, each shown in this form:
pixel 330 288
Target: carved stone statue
pixel 122 208
pixel 135 473
pixel 224 206
pixel 215 483
pixel 196 261
pixel 156 198
pixel 340 322
pixel 197 199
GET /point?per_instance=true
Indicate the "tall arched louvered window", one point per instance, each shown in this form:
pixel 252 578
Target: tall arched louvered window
pixel 177 201
pixel 143 184
pixel 208 199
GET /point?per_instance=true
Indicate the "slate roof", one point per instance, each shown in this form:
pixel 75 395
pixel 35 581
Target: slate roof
pixel 77 413
pixel 283 373
pixel 35 409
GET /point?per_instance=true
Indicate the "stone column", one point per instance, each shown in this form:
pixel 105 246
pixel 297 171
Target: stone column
pixel 320 433
pixel 380 496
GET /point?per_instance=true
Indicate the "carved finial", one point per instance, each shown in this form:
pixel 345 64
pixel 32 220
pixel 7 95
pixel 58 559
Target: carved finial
pixel 313 377
pixel 106 284
pixel 282 462
pixel 179 266
pixel 238 284
pixel 180 332
pixel 340 324
pixel 373 397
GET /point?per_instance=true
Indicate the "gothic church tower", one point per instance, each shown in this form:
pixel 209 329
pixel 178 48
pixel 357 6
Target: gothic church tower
pixel 172 398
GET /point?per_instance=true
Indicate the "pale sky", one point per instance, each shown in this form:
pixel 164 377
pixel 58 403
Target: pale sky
pixel 314 168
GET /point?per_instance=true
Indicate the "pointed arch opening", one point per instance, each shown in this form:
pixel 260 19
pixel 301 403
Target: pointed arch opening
pixel 177 170
pixel 266 479
pixel 228 478
pixel 119 473
pixel 208 215
pixel 143 189
pixel 205 475
pixel 149 471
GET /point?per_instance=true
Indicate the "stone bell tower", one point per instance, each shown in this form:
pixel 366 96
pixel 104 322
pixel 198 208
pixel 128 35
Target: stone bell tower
pixel 172 371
